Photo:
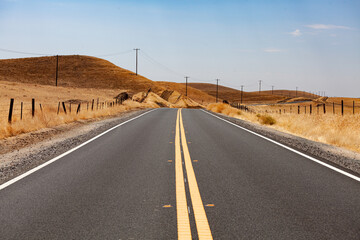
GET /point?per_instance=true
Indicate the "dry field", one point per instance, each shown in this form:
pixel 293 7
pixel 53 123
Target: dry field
pixel 233 95
pixel 334 129
pixel 332 106
pixel 49 97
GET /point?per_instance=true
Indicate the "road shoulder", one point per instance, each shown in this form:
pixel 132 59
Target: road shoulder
pixel 336 156
pixel 22 153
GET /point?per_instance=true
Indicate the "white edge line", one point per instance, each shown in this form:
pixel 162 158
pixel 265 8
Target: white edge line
pixel 14 180
pixel 290 149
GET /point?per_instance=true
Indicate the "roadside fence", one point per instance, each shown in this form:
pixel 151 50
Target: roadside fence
pixel 26 110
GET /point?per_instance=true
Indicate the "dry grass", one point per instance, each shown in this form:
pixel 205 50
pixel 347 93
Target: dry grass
pixel 234 95
pixel 74 71
pixel 48 117
pixel 49 97
pixel 334 129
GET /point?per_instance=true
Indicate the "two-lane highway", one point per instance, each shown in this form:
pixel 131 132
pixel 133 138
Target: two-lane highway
pixel 181 174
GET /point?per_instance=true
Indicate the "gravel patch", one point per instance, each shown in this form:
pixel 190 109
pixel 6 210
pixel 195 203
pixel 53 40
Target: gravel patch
pixel 346 160
pixel 24 152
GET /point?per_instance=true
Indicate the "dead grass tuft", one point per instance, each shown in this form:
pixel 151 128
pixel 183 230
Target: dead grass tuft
pixel 266 119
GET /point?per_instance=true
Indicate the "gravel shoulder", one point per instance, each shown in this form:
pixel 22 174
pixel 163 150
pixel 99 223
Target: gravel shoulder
pixel 336 156
pixel 21 153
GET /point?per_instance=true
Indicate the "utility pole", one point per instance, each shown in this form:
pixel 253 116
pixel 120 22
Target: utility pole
pixel 137 50
pixel 260 86
pixel 272 90
pixel 242 89
pixel 57 70
pixel 217 89
pixel 186 84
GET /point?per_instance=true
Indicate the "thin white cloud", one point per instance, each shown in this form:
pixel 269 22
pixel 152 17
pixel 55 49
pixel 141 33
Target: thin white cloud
pixel 326 26
pixel 273 50
pixel 296 33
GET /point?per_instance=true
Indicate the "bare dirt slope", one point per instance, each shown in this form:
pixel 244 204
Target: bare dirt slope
pixel 197 95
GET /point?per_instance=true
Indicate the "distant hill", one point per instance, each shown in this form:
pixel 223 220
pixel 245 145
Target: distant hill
pixel 87 72
pixel 74 71
pixel 234 95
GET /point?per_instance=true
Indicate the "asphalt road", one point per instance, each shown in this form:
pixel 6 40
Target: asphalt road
pixel 138 180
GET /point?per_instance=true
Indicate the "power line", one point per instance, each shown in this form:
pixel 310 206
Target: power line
pixel 136 50
pixel 114 54
pixel 260 86
pixel 217 88
pixel 26 53
pixel 144 54
pixel 186 84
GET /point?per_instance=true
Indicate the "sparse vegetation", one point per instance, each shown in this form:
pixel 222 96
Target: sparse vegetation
pixel 334 129
pixel 266 119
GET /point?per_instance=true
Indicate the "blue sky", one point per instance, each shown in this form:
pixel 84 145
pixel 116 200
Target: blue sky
pixel 312 45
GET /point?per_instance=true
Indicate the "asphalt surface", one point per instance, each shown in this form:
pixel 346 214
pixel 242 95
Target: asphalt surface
pixel 122 186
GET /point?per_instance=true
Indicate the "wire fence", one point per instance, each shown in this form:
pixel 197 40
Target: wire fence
pixel 22 111
pixel 309 108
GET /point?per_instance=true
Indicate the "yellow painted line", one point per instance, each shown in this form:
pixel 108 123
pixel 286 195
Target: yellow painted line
pixel 183 222
pixel 202 224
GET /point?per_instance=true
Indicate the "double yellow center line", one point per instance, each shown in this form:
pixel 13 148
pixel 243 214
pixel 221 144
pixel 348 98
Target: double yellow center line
pixel 183 222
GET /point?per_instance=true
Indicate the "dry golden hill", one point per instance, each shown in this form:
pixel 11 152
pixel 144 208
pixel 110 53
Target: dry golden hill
pixel 78 71
pixel 234 95
pixel 74 71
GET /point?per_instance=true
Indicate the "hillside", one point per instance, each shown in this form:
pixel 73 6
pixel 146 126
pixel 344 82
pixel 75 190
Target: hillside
pixel 74 71
pixel 77 71
pixel 234 95
pixel 193 93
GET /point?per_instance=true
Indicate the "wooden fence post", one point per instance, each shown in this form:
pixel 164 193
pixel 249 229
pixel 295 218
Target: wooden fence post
pixel 33 107
pixel 333 108
pixel 78 108
pixel 92 105
pixel 342 107
pixel 40 107
pixel 11 110
pixel 21 112
pixel 324 108
pixel 58 109
pixel 305 109
pixel 310 109
pixel 70 108
pixel 353 107
pixel 64 107
pixel 298 109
